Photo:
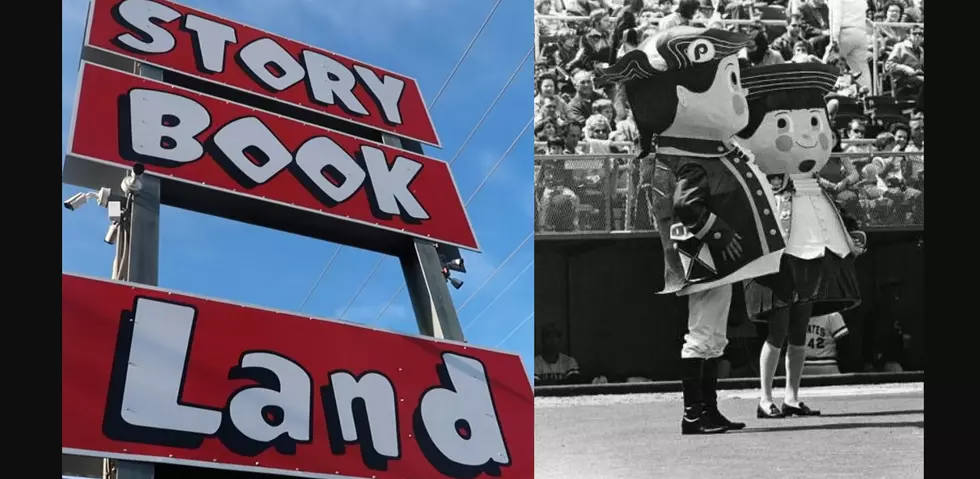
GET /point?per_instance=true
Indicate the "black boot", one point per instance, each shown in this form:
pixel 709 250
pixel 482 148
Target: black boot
pixel 695 421
pixel 709 392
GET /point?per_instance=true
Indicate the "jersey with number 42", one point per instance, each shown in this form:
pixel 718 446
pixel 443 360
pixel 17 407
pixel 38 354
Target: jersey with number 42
pixel 821 336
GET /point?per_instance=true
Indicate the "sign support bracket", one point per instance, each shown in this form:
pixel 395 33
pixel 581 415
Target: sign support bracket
pixel 427 289
pixel 140 264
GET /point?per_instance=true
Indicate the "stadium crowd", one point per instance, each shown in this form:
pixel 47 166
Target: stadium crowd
pixel 877 174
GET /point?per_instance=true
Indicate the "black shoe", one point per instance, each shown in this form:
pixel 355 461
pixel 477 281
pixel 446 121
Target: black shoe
pixel 799 411
pixel 772 413
pixel 712 412
pixel 695 421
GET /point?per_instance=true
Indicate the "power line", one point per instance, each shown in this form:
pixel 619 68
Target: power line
pixel 516 328
pixel 466 52
pixel 388 304
pixel 458 151
pixel 492 104
pixel 317 282
pixel 501 293
pixel 501 160
pixel 363 285
pixel 492 274
pixel 492 170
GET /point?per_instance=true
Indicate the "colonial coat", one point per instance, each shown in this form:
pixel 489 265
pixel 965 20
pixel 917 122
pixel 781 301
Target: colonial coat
pixel 728 196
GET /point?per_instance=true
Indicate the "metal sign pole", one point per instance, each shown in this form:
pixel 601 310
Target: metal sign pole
pixel 141 262
pixel 433 306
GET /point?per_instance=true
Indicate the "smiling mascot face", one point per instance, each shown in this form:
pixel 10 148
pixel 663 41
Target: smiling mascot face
pixel 789 129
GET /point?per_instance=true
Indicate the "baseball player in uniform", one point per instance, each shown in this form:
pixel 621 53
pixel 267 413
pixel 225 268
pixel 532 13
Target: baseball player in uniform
pixel 822 337
pixel 713 206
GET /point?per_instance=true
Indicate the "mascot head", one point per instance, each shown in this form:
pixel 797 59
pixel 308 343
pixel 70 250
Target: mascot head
pixel 789 131
pixel 685 83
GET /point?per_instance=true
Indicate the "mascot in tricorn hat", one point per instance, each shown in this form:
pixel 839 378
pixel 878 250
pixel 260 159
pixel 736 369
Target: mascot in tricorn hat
pixel 714 207
pixel 790 136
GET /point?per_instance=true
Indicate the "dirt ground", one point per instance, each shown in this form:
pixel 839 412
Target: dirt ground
pixel 865 431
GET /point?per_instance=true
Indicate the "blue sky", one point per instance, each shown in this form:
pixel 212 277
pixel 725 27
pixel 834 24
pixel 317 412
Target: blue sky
pixel 420 38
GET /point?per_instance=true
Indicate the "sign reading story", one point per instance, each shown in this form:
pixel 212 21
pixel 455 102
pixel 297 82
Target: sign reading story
pixel 182 135
pixel 156 376
pixel 182 39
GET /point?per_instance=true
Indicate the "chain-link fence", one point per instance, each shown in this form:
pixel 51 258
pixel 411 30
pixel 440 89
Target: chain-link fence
pixel 612 192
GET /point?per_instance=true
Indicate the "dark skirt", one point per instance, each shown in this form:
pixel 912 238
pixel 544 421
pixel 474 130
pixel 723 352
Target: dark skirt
pixel 829 283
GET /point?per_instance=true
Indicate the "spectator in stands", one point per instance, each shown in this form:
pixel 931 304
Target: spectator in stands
pixel 582 8
pixel 894 11
pixel 856 130
pixel 580 108
pixel 548 89
pixel 647 17
pixel 836 177
pixel 786 42
pixel 901 132
pixel 571 134
pixel 626 129
pixel 624 34
pixel 706 14
pixel 593 47
pixel 917 132
pixel 738 10
pixel 890 167
pixel 682 15
pixel 803 53
pixel 849 36
pixel 597 128
pixel 549 111
pixel 758 52
pixel 874 205
pixel 545 130
pixel 906 64
pixel 825 337
pixel 915 12
pixel 546 27
pixel 605 108
pixel 917 165
pixel 816 24
pixel 557 203
pixel 551 366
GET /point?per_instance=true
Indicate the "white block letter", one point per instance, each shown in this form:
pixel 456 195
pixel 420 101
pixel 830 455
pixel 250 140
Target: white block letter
pixel 320 154
pixel 379 404
pixel 293 399
pixel 330 80
pixel 136 15
pixel 157 355
pixel 390 185
pixel 243 143
pixel 162 127
pixel 461 424
pixel 257 58
pixel 209 39
pixel 386 91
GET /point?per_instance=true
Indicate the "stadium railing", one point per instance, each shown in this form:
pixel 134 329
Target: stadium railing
pixel 613 195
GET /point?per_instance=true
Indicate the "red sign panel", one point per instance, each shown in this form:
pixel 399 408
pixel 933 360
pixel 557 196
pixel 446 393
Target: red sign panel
pixel 196 43
pixel 157 376
pixel 125 119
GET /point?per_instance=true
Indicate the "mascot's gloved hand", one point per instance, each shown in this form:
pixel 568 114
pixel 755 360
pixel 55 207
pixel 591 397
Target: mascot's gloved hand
pixel 859 243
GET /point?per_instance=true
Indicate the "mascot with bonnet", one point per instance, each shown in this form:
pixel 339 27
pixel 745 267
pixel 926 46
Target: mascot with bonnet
pixel 790 136
pixel 714 208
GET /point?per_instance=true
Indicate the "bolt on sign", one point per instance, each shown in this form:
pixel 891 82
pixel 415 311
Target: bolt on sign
pixel 211 48
pixel 206 142
pixel 152 375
